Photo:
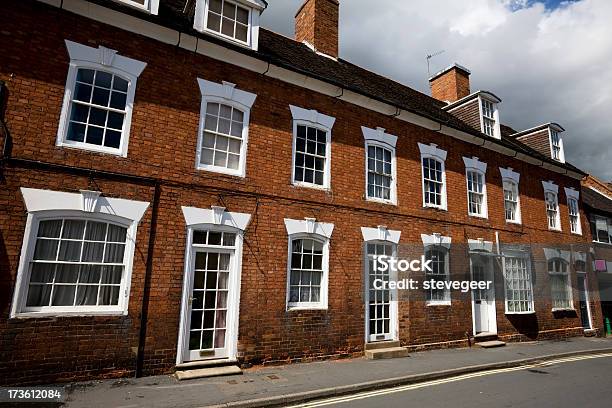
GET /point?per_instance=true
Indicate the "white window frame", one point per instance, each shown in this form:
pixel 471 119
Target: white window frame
pixel 225 93
pixel 101 59
pixel 527 260
pixel 255 8
pixel 568 284
pixel 46 204
pixel 314 119
pixel 573 196
pixel 318 231
pixel 213 219
pixel 431 151
pixel 555 254
pixel 476 166
pixel 379 138
pixel 510 176
pixel 553 131
pixel 551 188
pixel 496 127
pixel 608 222
pixel 150 6
pixel 440 242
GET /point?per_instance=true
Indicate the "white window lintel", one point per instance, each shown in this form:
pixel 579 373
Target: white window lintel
pixel 378 135
pixel 215 216
pixel 572 193
pixel 312 116
pixel 550 186
pixel 510 174
pixel 480 245
pixel 436 240
pixel 432 150
pixel 105 57
pixel 555 253
pixel 474 163
pixel 226 91
pixel 309 226
pixel 380 233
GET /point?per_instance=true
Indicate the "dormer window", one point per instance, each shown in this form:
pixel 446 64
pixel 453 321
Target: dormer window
pixel 233 20
pixel 488 117
pixel 555 143
pixel 150 6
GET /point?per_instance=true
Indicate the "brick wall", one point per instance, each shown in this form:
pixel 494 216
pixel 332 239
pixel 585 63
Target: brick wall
pixel 163 145
pixel 317 23
pixel 539 141
pixel 451 85
pixel 469 113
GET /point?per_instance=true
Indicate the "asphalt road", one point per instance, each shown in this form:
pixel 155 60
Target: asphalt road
pixel 575 383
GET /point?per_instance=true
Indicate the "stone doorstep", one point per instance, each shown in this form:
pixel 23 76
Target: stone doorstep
pixel 391 352
pixel 491 344
pixel 207 372
pixel 205 364
pixel 381 345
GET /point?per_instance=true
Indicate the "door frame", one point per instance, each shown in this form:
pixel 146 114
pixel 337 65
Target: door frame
pixel 584 275
pixel 492 310
pixel 393 305
pixel 233 299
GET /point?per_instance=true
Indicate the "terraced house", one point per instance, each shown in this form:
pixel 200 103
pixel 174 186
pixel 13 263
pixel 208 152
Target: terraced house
pixel 181 186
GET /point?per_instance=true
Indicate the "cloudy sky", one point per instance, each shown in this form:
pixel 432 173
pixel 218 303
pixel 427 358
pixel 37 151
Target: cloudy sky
pixel 550 61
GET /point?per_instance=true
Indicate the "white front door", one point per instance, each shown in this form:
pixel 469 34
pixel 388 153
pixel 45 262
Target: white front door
pixel 483 299
pixel 211 313
pixel 381 311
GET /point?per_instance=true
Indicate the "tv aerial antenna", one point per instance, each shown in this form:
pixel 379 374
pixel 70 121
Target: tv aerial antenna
pixel 429 57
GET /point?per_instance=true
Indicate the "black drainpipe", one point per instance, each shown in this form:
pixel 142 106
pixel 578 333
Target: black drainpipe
pixel 144 312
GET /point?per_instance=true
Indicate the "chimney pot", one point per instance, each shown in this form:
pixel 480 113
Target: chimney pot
pixel 316 23
pixel 451 84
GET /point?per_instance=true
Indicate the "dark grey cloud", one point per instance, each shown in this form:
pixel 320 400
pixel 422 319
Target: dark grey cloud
pixel 548 65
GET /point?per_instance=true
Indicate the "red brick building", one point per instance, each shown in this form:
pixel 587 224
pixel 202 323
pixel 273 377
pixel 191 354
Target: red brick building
pixel 180 185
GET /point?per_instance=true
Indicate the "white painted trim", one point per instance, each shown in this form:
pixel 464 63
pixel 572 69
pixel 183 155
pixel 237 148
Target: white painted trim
pixel 309 226
pixel 436 240
pixel 393 305
pixel 550 144
pixel 198 216
pixel 322 304
pixel 509 174
pixel 317 120
pixel 102 59
pixel 527 259
pixel 379 135
pixel 200 22
pixel 47 200
pixel 432 151
pixel 385 141
pixel 475 165
pixel 220 53
pixel 497 130
pixel 225 93
pixel 480 245
pixel 233 301
pixel 47 204
pixel 381 233
pixel 572 193
pixel 600 193
pixel 313 117
pixel 150 6
pixel 555 253
pixel 550 186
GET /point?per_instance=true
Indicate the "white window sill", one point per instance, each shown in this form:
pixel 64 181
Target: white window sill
pixel 484 217
pixel 291 308
pixel 35 315
pixel 380 201
pixel 579 234
pixel 310 185
pixel 514 222
pixel 602 243
pixel 435 207
pixel 563 309
pixel 520 313
pixel 92 148
pixel 438 303
pixel 227 38
pixel 555 229
pixel 221 170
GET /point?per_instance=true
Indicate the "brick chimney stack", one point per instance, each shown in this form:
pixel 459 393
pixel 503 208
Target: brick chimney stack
pixel 451 84
pixel 316 23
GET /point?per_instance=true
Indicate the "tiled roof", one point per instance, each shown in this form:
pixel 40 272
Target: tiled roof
pixel 596 201
pixel 287 53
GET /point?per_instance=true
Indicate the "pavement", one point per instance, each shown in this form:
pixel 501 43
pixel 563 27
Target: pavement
pixel 295 383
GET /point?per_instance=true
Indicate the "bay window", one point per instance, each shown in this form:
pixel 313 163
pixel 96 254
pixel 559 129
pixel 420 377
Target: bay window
pixel 518 285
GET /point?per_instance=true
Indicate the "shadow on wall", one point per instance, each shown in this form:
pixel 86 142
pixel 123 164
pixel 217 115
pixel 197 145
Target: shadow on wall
pixel 5 280
pixel 525 324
